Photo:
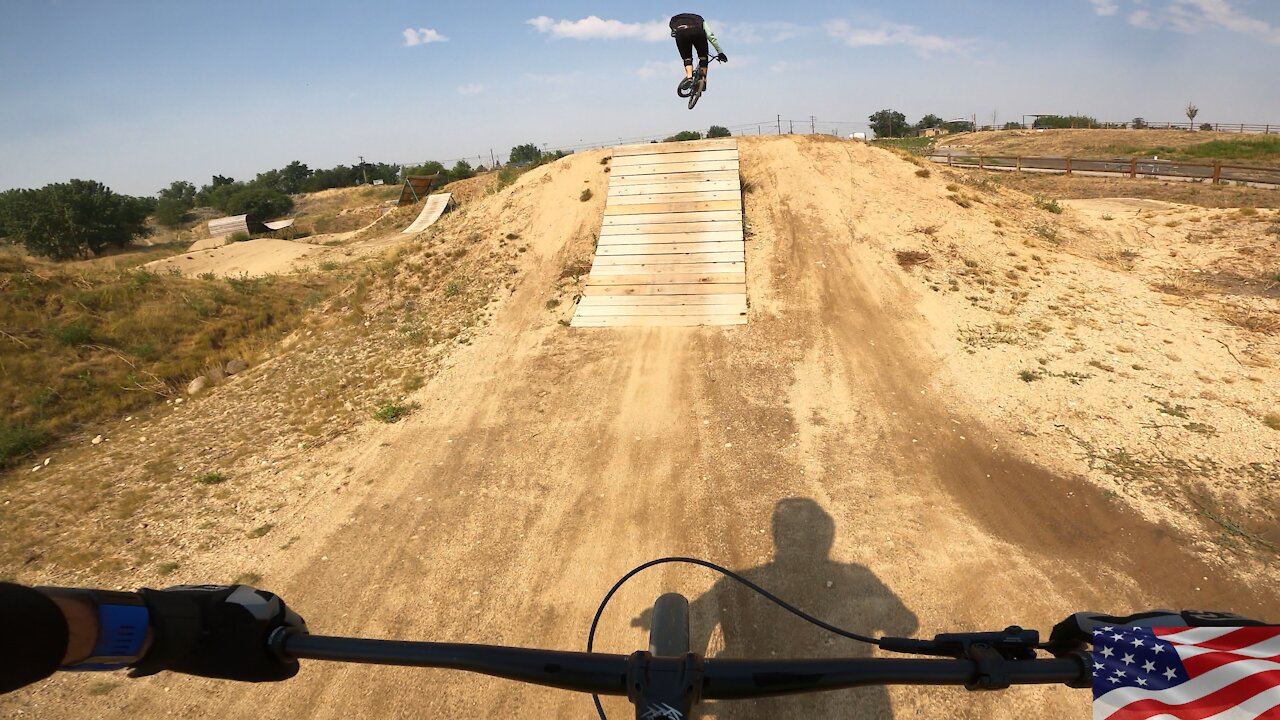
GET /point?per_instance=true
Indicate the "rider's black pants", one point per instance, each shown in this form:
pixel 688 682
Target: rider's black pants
pixel 689 38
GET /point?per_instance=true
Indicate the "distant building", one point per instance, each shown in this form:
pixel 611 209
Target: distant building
pixel 931 132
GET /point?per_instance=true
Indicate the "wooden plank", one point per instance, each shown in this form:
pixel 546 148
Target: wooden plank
pixel 674 217
pixel 619 163
pixel 660 238
pixel 680 197
pixel 661 310
pixel 663 148
pixel 658 321
pixel 634 300
pixel 670 248
pixel 668 268
pixel 675 207
pixel 674 187
pixel 711 278
pixel 613 261
pixel 661 168
pixel 625 180
pixel 670 289
pixel 639 229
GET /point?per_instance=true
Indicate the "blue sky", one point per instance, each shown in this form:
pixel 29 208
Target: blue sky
pixel 138 93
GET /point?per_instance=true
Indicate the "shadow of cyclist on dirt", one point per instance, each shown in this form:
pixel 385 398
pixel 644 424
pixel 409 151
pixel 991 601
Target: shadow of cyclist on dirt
pixel 730 621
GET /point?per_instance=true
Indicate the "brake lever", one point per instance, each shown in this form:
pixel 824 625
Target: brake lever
pixel 1012 643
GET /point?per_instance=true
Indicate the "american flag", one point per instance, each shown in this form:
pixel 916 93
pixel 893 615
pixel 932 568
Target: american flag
pixel 1200 673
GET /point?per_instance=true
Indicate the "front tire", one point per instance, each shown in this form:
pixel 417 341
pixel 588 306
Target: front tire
pixel 669 631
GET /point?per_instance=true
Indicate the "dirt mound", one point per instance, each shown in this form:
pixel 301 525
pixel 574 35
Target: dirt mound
pixel 1014 426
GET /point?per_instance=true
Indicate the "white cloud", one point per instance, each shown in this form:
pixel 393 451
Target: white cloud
pixel 893 34
pixel 1105 7
pixel 1193 16
pixel 470 89
pixel 422 36
pixel 761 32
pixel 655 68
pixel 595 28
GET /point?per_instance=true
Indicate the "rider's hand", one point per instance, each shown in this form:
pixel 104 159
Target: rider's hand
pixel 1077 630
pixel 217 631
pixel 722 57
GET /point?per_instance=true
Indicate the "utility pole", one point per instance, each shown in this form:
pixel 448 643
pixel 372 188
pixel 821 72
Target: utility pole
pixel 791 127
pixel 813 125
pixel 492 161
pixel 779 124
pixel 364 174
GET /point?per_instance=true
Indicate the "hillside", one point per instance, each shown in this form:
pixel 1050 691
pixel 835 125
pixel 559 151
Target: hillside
pixel 1169 144
pixel 952 408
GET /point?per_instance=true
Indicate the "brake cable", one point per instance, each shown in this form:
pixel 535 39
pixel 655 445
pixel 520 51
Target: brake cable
pixel 591 635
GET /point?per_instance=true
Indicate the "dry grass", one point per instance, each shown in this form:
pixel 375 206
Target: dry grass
pixel 910 258
pixel 90 344
pixel 1186 193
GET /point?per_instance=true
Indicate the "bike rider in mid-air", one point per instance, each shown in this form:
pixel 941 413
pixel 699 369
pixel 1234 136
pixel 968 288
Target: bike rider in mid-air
pixel 691 32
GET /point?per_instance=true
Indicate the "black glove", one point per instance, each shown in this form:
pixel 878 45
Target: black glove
pixel 217 631
pixel 1076 631
pixel 722 57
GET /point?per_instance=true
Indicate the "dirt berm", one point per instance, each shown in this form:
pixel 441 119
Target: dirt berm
pixel 853 448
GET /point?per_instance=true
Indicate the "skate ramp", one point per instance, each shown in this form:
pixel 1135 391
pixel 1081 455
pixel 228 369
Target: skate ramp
pixel 671 249
pixel 432 209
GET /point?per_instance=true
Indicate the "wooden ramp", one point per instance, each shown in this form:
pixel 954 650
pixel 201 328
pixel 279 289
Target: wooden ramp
pixel 432 209
pixel 671 250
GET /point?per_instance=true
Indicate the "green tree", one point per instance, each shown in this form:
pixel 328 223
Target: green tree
pixel 527 154
pixel 74 219
pixel 957 126
pixel 1014 126
pixel 1064 121
pixel 1139 123
pixel 1192 111
pixel 217 192
pixel 684 136
pixel 179 190
pixel 716 131
pixel 259 203
pixel 461 171
pixel 889 124
pixel 929 121
pixel 171 212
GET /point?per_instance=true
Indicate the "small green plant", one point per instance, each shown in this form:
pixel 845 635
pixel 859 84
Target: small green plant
pixel 389 412
pixel 166 568
pixel 1048 205
pixel 1201 428
pixel 452 289
pixel 1172 410
pixel 207 276
pixel 1029 376
pixel 72 334
pixel 328 265
pixel 586 195
pixel 213 477
pixel 553 303
pixel 240 237
pixel 1047 231
pixel 260 530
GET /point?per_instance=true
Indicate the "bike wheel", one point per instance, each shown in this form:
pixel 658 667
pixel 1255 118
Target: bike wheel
pixel 693 99
pixel 669 630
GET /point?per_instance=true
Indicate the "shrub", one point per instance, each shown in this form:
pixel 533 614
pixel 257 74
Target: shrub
pixel 586 195
pixel 259 203
pixel 389 412
pixel 19 440
pixel 716 131
pixel 684 136
pixel 1048 205
pixel 213 477
pixel 74 219
pixel 1206 127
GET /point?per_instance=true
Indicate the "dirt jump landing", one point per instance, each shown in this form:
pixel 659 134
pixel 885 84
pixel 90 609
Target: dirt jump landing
pixel 671 249
pixel 432 209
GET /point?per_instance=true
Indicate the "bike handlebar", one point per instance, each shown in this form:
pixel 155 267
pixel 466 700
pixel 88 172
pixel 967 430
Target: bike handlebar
pixel 608 674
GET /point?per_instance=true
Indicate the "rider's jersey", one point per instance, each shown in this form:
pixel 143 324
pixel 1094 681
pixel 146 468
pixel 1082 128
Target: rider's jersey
pixel 686 21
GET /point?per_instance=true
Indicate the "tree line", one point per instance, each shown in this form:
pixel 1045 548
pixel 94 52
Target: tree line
pixel 83 218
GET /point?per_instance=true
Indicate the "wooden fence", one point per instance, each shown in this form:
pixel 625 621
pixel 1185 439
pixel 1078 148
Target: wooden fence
pixel 1216 172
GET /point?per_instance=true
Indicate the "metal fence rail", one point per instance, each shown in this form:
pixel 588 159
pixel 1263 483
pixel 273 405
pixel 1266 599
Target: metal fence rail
pixel 1216 172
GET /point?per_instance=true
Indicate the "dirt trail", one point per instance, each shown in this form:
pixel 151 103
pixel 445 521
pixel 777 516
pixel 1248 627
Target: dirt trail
pixel 815 448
